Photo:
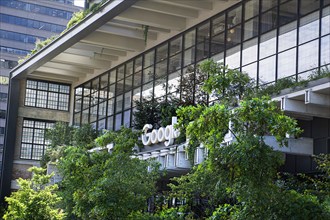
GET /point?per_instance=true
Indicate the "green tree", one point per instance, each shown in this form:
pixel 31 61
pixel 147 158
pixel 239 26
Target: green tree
pixel 35 199
pixel 63 135
pixel 244 169
pixel 101 185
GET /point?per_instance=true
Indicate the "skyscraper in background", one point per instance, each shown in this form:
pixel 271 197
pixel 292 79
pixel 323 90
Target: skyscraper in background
pixel 22 23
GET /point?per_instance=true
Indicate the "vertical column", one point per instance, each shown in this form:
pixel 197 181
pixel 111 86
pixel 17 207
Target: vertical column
pixel 10 137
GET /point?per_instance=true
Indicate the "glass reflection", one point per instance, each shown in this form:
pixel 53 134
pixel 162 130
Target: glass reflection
pixel 160 87
pixel 325 28
pixel 288 12
pixel 268 44
pixel 251 70
pixel 308 56
pixel 325 50
pixel 267 70
pixel 127 118
pixel 251 28
pixel 309 27
pixel 251 9
pixel 287 37
pixel 233 57
pixel 286 63
pixel 249 53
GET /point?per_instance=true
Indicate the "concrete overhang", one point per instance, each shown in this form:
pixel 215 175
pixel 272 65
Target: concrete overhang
pixel 310 101
pixel 114 34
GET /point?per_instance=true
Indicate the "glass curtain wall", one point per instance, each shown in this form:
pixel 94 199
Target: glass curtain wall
pixel 268 39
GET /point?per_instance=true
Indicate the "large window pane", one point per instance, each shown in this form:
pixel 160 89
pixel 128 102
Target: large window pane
pixel 218 25
pixel 138 64
pixel 120 87
pixel 110 123
pixel 250 49
pixel 233 57
pixel 118 123
pixel 102 109
pixel 149 58
pixel 251 70
pixel 288 12
pixel 307 6
pixel 308 56
pixel 121 73
pixel 148 74
pixel 287 36
pixel 309 27
pixel 49 95
pixel 268 44
pixel 269 20
pixel 33 144
pixel 267 4
pixel 202 50
pixel 325 50
pixel 129 68
pixel 93 113
pixel 147 91
pixel 127 100
pixel 234 16
pixel 160 87
pixel 286 63
pixel 137 79
pixel 173 82
pixel 175 63
pixel 128 83
pixel 251 28
pixel 136 95
pixel 267 70
pixel 161 53
pixel 111 106
pixel 189 39
pixel 112 77
pixel 325 28
pixel 203 33
pixel 218 43
pixel 104 82
pixel 176 46
pixel 161 69
pixel 112 90
pixel 251 9
pixel 127 118
pixel 119 103
pixel 189 56
pixel 234 36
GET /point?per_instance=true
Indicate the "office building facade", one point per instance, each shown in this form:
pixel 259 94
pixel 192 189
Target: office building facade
pixel 96 72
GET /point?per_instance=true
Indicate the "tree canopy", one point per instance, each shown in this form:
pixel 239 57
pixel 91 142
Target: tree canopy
pixel 35 199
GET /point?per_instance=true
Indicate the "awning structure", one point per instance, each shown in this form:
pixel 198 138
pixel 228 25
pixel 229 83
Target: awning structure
pixel 312 101
pixel 117 32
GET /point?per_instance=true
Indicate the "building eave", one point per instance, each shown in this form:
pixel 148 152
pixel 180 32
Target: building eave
pixel 72 36
pixel 118 31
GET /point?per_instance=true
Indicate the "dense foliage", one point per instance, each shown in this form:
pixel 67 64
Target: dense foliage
pixel 35 199
pixel 239 180
pixel 114 185
pixel 63 135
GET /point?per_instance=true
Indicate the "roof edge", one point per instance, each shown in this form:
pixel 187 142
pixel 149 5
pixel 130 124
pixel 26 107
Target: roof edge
pixel 89 24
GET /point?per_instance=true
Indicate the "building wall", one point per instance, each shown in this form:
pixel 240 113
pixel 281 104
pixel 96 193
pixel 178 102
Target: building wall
pixel 22 23
pixel 22 161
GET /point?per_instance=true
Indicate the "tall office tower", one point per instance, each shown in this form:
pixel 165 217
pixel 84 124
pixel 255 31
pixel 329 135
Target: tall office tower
pixel 22 23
